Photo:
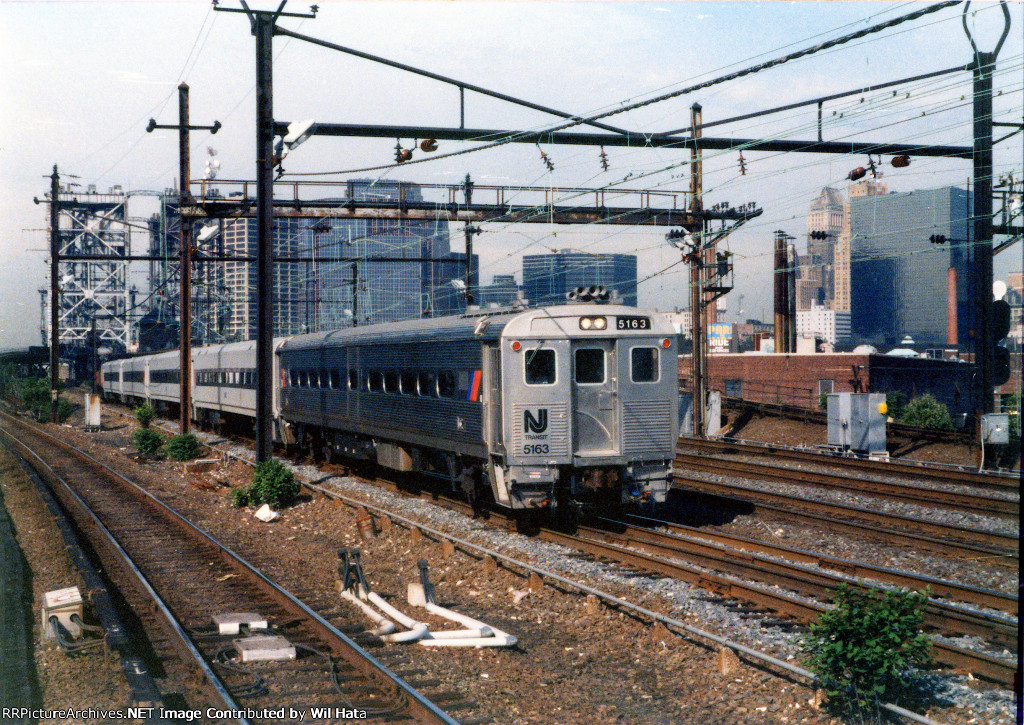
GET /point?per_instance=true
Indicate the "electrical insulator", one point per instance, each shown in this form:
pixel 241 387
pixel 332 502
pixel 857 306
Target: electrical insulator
pixel 937 239
pixel 743 165
pixel 545 159
pixel 901 162
pixel 604 160
pixel 429 144
pixel 859 173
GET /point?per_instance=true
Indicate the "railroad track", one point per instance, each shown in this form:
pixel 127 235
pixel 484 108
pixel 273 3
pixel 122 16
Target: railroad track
pixel 812 583
pixel 190 576
pixel 919 470
pixel 957 541
pixel 983 504
pixel 617 547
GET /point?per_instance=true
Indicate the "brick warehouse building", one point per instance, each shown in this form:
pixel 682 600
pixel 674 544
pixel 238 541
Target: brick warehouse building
pixel 799 379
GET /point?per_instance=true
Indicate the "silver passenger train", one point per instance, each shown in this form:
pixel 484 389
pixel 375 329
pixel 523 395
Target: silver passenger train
pixel 537 406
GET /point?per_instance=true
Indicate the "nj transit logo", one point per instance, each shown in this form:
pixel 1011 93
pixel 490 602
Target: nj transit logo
pixel 535 425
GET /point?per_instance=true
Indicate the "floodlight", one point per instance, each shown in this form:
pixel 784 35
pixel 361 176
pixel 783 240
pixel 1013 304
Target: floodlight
pixel 207 232
pixel 459 285
pixel 298 132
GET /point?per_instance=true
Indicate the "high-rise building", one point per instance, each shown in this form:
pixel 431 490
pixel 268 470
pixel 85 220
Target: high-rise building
pixel 239 238
pixel 547 278
pixel 841 277
pixel 815 284
pixel 902 283
pixel 332 292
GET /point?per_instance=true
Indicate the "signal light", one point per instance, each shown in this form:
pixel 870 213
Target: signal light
pixel 901 162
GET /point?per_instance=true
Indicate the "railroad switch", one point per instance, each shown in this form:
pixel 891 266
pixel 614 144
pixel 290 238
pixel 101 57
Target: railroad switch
pixel 421 593
pixel 351 572
pixel 66 605
pixel 264 647
pixel 232 622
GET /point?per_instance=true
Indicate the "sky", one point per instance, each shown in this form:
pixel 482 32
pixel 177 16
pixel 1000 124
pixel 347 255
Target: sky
pixel 81 80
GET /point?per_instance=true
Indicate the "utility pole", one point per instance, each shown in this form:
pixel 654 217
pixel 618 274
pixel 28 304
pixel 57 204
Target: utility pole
pixel 981 252
pixel 262 24
pixel 185 253
pixel 470 230
pixel 698 328
pixel 263 29
pixel 355 294
pixel 54 292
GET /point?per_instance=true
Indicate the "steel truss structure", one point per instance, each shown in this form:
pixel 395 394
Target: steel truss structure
pixel 93 291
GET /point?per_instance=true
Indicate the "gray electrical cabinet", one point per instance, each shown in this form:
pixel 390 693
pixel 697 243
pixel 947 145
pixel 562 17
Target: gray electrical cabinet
pixel 995 428
pixel 856 423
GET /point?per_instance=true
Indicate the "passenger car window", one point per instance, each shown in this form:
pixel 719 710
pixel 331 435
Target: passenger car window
pixel 644 365
pixel 390 381
pixel 589 365
pixel 353 379
pixel 335 379
pixel 446 384
pixel 408 380
pixel 428 385
pixel 375 381
pixel 540 367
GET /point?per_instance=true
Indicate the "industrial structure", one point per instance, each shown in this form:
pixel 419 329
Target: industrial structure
pixel 92 236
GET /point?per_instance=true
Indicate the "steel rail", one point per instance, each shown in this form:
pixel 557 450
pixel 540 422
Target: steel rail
pixel 805 579
pixel 423 709
pixel 983 543
pixel 477 551
pixel 182 642
pixel 940 587
pixel 912 469
pixel 979 663
pixel 144 691
pixel 973 503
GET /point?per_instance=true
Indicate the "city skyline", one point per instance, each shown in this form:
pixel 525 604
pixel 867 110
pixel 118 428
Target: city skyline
pixel 100 136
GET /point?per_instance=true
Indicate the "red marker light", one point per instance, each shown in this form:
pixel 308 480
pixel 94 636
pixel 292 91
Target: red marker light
pixel 517 345
pixel 666 343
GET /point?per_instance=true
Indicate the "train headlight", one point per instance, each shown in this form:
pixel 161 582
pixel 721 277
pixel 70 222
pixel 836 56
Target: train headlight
pixel 600 323
pixel 586 323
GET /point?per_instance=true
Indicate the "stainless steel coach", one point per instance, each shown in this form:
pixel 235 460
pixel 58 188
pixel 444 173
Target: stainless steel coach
pixel 537 406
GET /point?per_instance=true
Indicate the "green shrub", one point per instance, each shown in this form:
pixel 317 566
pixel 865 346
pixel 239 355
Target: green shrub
pixel 183 447
pixel 273 483
pixel 240 497
pixel 823 401
pixel 896 403
pixel 145 414
pixel 869 649
pixel 927 412
pixel 147 442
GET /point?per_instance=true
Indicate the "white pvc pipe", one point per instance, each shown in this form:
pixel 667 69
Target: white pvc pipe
pixel 384 625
